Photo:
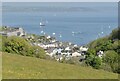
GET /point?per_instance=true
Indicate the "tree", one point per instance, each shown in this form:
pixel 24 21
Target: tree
pixel 97 62
pixel 115 34
pixel 111 58
pixel 111 47
pixel 89 60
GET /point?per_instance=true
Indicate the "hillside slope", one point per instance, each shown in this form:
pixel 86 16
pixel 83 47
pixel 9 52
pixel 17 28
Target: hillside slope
pixel 110 46
pixel 17 66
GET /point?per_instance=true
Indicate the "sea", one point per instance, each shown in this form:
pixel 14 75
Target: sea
pixel 75 22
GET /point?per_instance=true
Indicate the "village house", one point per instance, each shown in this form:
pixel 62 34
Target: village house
pixel 83 50
pixel 48 46
pixel 16 31
pixel 100 54
pixel 76 54
pixel 55 51
pixel 67 51
pixel 3 33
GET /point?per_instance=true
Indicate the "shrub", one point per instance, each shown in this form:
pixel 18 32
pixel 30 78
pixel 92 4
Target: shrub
pixel 20 46
pixel 115 34
pixel 96 63
pixel 111 58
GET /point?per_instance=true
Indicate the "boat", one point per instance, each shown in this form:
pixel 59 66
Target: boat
pixel 53 33
pixel 42 24
pixel 60 35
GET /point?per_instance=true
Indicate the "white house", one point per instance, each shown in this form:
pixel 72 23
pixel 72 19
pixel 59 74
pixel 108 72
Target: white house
pixel 46 46
pixel 70 43
pixel 56 51
pixel 75 45
pixel 59 51
pixel 82 48
pixel 48 37
pixel 22 32
pixel 75 54
pixel 53 40
pixel 59 59
pixel 66 53
pixel 16 32
pixel 67 49
pixel 42 46
pixel 50 45
pixel 100 54
pixel 68 57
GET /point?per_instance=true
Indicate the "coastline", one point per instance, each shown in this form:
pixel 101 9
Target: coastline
pixel 66 52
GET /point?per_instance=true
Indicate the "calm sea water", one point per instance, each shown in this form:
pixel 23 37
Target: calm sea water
pixel 78 23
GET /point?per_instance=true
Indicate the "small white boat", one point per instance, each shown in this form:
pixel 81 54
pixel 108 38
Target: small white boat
pixel 53 33
pixel 42 24
pixel 42 31
pixel 60 35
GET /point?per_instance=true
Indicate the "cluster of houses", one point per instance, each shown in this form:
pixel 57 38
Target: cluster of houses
pixel 58 50
pixel 64 50
pixel 53 48
pixel 10 31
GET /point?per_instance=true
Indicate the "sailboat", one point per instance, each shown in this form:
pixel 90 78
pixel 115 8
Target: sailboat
pixel 42 23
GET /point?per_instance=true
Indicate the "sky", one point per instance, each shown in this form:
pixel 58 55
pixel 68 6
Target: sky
pixel 60 0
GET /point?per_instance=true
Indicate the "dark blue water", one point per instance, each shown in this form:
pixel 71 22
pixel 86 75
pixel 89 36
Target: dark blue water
pixel 88 21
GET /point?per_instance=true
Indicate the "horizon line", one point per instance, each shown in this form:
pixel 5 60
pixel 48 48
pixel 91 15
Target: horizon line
pixel 59 1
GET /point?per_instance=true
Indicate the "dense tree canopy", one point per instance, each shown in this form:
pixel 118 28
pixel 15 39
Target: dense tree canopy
pixel 111 47
pixel 111 58
pixel 115 34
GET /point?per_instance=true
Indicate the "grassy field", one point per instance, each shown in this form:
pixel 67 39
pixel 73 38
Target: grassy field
pixel 16 66
pixel 0 66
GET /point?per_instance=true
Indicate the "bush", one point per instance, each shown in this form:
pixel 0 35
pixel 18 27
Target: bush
pixel 96 63
pixel 106 67
pixel 20 46
pixel 97 43
pixel 89 60
pixel 92 59
pixel 90 56
pixel 111 58
pixel 115 34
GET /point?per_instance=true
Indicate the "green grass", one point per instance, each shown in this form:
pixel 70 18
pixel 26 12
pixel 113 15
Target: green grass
pixel 0 66
pixel 22 67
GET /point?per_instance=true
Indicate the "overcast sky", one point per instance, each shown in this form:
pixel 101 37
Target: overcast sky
pixel 59 0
